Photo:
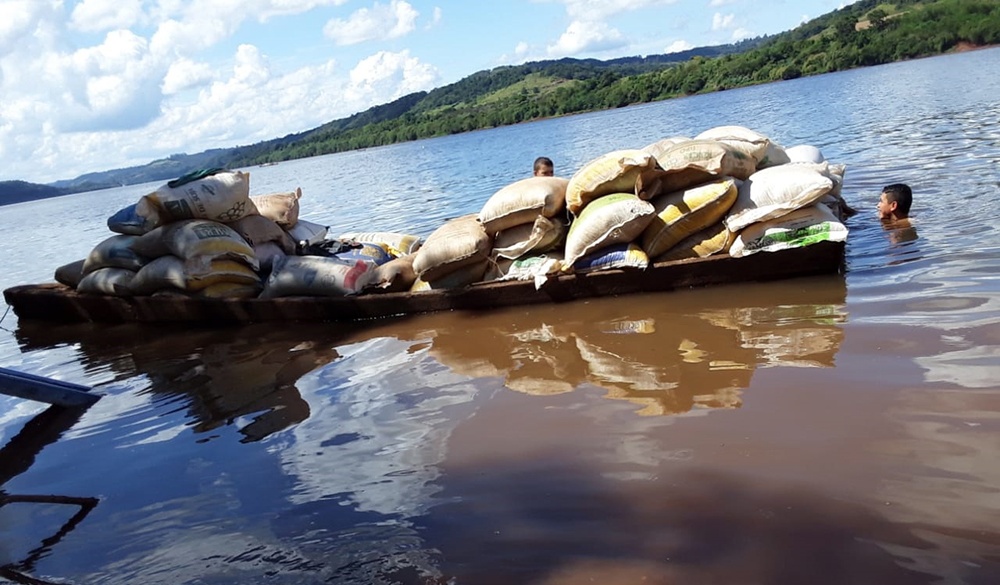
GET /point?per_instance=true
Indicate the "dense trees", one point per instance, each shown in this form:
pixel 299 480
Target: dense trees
pixel 862 34
pixel 865 33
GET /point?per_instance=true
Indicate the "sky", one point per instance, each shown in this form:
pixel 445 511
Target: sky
pixel 95 85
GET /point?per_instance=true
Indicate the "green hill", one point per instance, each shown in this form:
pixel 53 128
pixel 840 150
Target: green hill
pixel 868 32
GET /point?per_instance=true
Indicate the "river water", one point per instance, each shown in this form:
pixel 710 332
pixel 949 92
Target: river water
pixel 829 430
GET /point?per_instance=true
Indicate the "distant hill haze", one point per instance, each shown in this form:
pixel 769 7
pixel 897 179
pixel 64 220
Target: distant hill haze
pixel 862 34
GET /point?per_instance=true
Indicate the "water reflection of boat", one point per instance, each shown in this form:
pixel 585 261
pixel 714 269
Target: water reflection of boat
pixel 56 302
pixel 251 370
pixel 699 351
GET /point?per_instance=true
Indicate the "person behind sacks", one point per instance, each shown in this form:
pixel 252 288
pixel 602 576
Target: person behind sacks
pixel 544 167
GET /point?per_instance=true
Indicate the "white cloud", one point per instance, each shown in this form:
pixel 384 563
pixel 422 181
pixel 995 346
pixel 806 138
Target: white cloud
pixel 722 22
pixel 596 10
pixel 268 9
pixel 386 76
pixel 717 3
pixel 377 23
pixel 104 15
pixel 741 33
pixel 21 20
pixel 185 74
pixel 436 19
pixel 586 36
pixel 143 99
pixel 678 46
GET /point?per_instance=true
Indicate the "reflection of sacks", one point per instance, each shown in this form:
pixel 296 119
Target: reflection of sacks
pixel 710 156
pixel 775 191
pixel 712 240
pixel 629 255
pixel 458 242
pixel 192 275
pixel 521 202
pixel 462 276
pixel 397 244
pixel 281 208
pixel 214 194
pixel 749 142
pixel 196 238
pixel 794 335
pixel 806 347
pixel 395 275
pixel 257 229
pixel 317 276
pixel 607 367
pixel 611 219
pixel 538 386
pixel 114 252
pixel 797 229
pixel 70 274
pixel 615 172
pixel 678 215
pixel 108 281
pixel 542 235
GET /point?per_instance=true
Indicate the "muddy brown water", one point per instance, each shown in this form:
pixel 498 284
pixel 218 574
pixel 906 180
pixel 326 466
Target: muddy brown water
pixel 829 430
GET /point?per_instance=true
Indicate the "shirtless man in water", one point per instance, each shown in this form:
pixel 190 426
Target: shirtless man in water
pixel 894 205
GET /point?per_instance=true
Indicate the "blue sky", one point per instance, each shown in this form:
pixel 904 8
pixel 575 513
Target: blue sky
pixel 92 85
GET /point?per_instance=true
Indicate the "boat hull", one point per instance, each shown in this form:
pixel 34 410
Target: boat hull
pixel 59 303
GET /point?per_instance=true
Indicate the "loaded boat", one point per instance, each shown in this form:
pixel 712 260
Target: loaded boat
pixel 729 206
pixel 58 302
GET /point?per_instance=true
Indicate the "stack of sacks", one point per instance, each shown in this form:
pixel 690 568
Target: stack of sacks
pixel 358 261
pixel 393 253
pixel 349 265
pixel 526 221
pixel 709 189
pixel 109 268
pixel 782 207
pixel 454 255
pixel 244 237
pixel 214 194
pixel 609 210
pixel 196 256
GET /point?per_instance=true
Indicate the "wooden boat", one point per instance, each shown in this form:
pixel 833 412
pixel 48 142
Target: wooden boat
pixel 59 303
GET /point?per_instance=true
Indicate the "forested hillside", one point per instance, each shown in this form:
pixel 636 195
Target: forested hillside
pixel 865 33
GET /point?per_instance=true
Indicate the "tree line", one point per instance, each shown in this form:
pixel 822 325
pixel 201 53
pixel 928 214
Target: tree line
pixel 862 34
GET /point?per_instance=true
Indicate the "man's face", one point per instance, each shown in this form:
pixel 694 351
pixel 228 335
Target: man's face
pixel 885 207
pixel 544 171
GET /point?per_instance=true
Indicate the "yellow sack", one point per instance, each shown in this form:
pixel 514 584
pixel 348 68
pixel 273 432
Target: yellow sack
pixel 615 172
pixel 711 240
pixel 678 215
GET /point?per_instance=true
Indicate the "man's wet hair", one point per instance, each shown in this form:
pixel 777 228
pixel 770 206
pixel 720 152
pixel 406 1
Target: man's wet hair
pixel 543 161
pixel 901 194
